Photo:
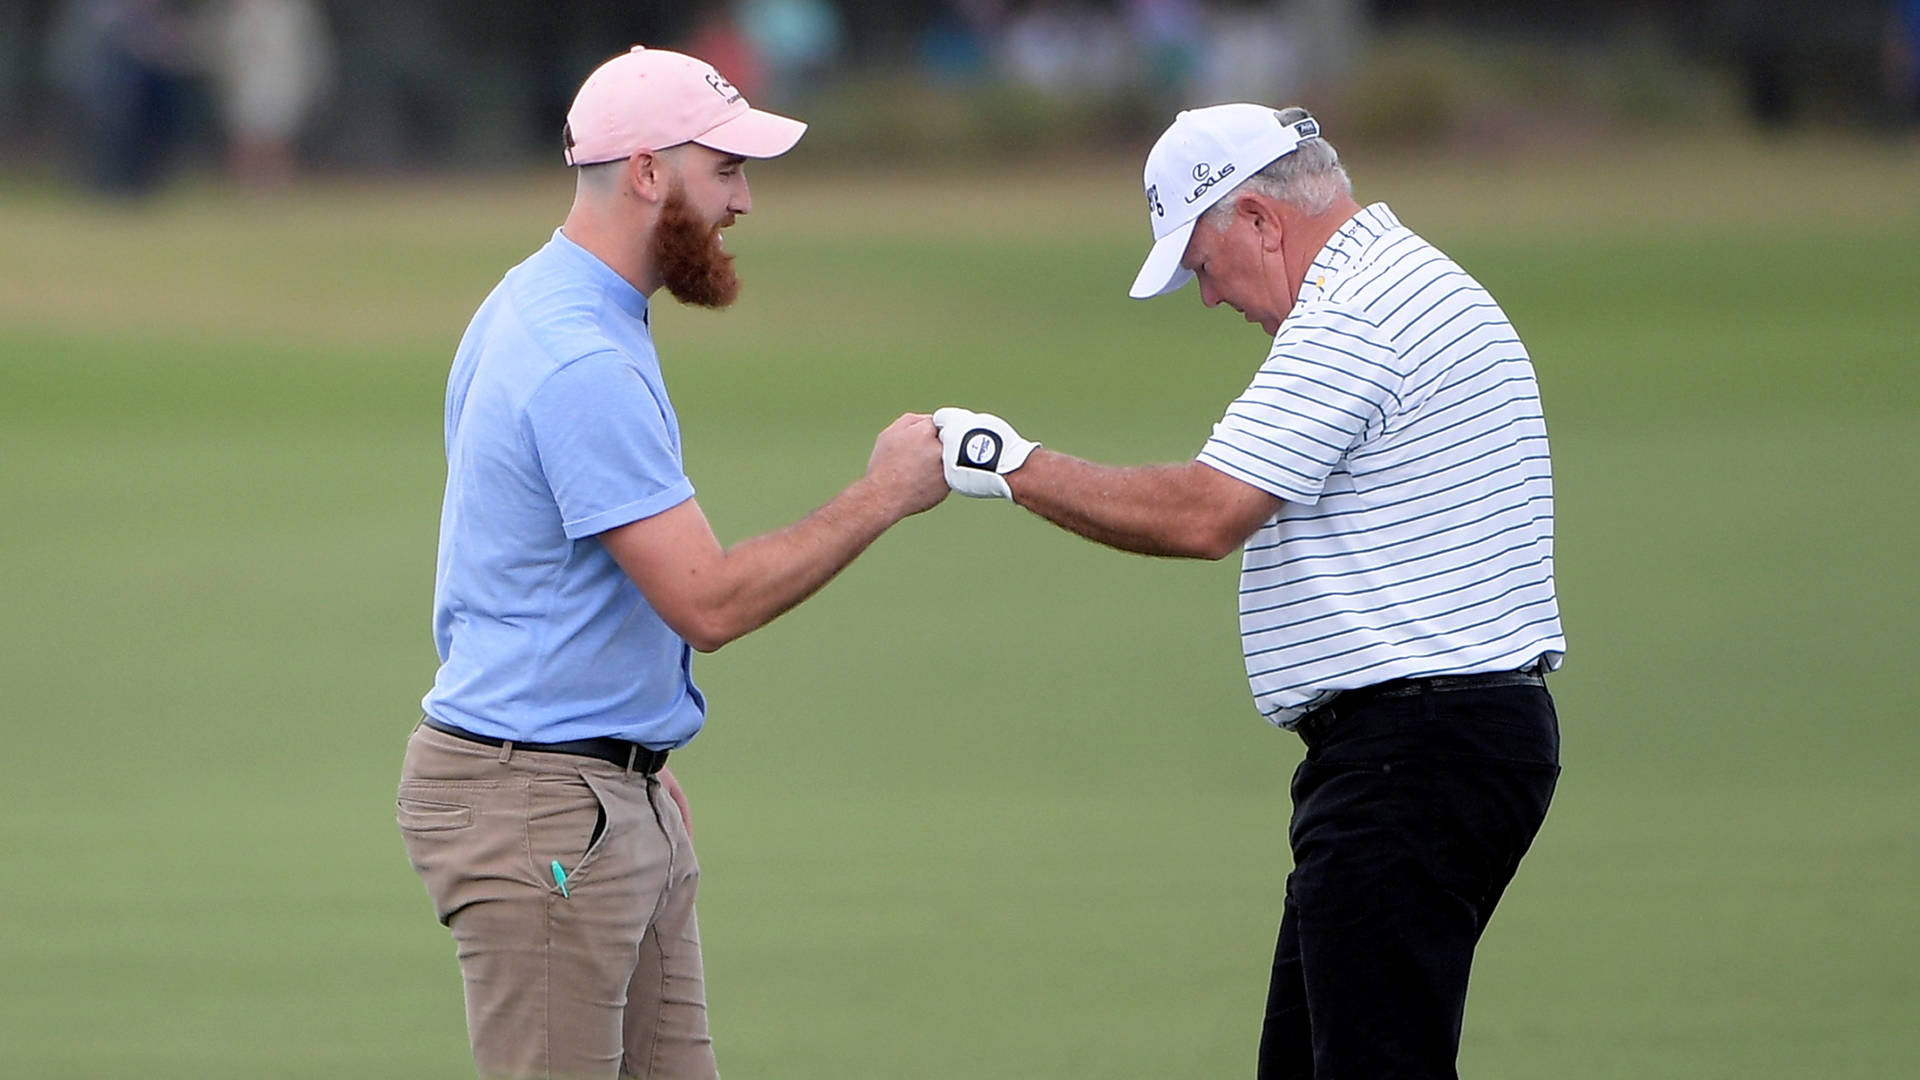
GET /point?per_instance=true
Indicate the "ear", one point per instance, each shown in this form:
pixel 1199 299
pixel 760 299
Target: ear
pixel 1264 213
pixel 647 176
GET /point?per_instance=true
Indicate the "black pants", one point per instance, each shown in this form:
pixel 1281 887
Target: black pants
pixel 1410 817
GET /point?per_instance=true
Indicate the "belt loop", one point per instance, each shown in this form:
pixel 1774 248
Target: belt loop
pixel 633 754
pixel 506 751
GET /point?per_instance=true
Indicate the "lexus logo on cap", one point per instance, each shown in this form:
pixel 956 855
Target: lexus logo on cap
pixel 1202 172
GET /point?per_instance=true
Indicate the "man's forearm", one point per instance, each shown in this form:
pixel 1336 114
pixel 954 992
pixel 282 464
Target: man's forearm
pixel 710 595
pixel 762 578
pixel 1150 509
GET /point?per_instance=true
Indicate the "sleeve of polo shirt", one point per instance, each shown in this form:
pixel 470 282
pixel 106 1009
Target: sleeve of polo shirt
pixel 1329 380
pixel 604 446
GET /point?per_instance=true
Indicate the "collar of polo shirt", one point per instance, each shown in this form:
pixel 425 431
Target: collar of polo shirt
pixel 1201 157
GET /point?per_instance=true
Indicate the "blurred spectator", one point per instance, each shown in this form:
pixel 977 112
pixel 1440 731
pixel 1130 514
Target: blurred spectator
pixel 272 63
pixel 19 56
pixel 1067 49
pixel 718 40
pixel 1331 33
pixel 1171 36
pixel 1766 37
pixel 1903 59
pixel 407 83
pixel 1258 52
pixel 1255 55
pixel 958 41
pixel 798 39
pixel 120 64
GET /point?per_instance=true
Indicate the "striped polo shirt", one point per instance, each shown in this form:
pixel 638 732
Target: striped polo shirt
pixel 1398 418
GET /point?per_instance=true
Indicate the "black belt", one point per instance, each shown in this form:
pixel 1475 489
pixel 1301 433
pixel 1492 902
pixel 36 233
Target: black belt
pixel 627 755
pixel 1534 674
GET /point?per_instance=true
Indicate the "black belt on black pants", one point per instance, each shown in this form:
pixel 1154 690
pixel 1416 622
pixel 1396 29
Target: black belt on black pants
pixel 1314 723
pixel 627 755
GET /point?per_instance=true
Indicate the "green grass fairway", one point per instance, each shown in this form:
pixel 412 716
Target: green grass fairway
pixel 996 803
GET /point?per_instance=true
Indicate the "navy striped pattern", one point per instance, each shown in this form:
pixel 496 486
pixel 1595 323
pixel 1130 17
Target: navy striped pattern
pixel 1398 417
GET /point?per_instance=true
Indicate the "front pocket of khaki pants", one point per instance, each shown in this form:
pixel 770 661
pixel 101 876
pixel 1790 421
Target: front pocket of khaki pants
pixel 562 827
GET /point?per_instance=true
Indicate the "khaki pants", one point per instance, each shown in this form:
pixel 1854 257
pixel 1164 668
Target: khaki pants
pixel 602 982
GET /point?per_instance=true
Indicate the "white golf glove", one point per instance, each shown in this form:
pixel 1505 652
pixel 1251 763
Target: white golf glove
pixel 978 450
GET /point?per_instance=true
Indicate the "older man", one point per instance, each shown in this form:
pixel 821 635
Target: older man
pixel 1386 473
pixel 576 576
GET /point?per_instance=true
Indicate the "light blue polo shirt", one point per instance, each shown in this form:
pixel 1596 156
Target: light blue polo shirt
pixel 558 428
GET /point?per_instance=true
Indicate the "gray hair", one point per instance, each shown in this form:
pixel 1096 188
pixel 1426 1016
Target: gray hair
pixel 1310 179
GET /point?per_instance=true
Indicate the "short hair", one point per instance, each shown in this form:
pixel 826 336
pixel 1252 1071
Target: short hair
pixel 1310 178
pixel 601 176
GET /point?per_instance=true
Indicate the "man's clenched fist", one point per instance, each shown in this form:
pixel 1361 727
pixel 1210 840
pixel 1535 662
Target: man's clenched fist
pixel 978 450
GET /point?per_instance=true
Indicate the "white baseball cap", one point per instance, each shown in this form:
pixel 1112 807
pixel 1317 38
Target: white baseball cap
pixel 650 99
pixel 1201 157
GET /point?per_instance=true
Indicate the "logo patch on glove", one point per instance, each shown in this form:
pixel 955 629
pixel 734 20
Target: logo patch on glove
pixel 980 450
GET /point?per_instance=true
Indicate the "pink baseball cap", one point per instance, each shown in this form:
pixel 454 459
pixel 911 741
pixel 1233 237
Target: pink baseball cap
pixel 650 99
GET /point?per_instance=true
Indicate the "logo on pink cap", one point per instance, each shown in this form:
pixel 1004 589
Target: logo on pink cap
pixel 722 87
pixel 651 99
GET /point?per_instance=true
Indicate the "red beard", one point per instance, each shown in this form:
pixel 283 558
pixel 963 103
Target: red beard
pixel 687 253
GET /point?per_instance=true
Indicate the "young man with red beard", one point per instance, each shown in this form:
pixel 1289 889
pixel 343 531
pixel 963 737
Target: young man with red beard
pixel 577 574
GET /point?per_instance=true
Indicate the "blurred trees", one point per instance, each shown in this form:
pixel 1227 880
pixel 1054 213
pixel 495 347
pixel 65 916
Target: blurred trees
pixel 431 82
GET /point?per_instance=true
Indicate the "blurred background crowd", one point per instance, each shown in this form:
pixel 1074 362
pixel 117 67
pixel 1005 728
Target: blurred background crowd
pixel 126 93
